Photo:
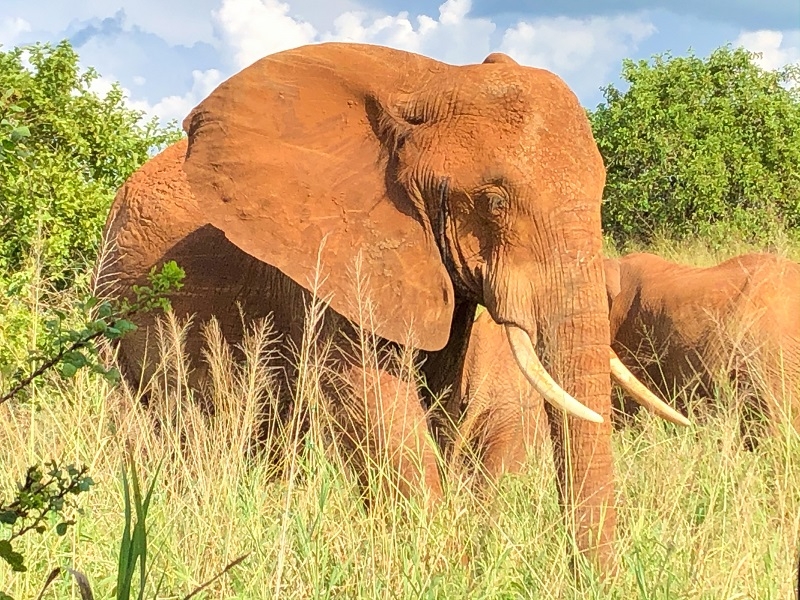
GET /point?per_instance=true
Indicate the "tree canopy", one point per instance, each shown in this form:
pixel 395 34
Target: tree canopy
pixel 700 147
pixel 64 151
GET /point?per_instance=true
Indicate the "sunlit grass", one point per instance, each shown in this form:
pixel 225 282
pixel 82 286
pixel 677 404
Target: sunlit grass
pixel 699 515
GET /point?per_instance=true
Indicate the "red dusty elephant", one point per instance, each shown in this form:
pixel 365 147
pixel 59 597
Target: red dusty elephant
pixel 500 416
pixel 681 328
pixel 453 185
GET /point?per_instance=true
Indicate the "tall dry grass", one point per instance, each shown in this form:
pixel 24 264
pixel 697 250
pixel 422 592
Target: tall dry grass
pixel 700 516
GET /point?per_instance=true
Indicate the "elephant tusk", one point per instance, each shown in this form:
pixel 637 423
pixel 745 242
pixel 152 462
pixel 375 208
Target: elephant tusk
pixel 642 394
pixel 540 379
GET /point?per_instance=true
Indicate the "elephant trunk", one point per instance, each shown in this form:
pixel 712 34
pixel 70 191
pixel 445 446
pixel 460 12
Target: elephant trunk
pixel 576 344
pixel 563 318
pixel 572 326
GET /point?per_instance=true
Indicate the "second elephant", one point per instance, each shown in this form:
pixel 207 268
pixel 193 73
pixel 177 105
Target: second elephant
pixel 684 327
pixel 500 416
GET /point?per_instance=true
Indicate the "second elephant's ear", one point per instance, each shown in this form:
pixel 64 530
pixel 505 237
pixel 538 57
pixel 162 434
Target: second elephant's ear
pixel 613 285
pixel 292 155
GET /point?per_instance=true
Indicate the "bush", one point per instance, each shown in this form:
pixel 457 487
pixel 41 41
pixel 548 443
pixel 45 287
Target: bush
pixel 700 147
pixel 64 151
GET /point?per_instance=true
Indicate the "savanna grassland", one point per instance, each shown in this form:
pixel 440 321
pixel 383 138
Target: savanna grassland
pixel 700 516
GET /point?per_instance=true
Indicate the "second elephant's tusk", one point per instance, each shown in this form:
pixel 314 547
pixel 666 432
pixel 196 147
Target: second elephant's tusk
pixel 641 394
pixel 539 378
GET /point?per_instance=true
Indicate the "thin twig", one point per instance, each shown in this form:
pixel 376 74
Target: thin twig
pixel 218 575
pixel 49 364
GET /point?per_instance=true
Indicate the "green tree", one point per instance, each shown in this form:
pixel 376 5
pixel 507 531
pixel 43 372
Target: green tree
pixel 700 146
pixel 64 151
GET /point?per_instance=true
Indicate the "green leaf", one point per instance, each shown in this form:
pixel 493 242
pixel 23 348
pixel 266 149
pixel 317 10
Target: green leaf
pixel 105 310
pixel 8 517
pixel 113 375
pixel 124 326
pixel 76 358
pixel 68 370
pixel 19 133
pixel 61 529
pixel 97 325
pixel 14 559
pixel 113 333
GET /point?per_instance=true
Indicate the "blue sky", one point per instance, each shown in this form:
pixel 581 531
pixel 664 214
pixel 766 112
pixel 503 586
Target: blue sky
pixel 169 54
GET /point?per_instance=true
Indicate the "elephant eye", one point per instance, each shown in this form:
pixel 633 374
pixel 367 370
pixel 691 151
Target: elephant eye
pixel 497 204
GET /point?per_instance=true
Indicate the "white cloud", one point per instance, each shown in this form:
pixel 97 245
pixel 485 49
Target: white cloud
pixel 585 52
pixel 169 107
pixel 454 37
pixel 102 85
pixel 10 30
pixel 255 28
pixel 581 50
pixel 178 106
pixel 453 12
pixel 396 31
pixel 774 46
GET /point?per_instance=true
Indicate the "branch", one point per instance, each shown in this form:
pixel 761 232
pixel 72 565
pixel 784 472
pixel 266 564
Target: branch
pixel 49 364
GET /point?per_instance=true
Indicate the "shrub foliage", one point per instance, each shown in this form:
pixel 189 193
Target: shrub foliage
pixel 700 147
pixel 64 151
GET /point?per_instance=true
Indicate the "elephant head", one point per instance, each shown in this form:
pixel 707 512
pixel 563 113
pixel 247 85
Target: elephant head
pixel 478 183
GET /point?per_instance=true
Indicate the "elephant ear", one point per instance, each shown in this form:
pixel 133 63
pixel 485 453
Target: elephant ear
pixel 613 285
pixel 293 160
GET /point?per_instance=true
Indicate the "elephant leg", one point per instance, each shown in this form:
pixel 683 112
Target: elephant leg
pixel 386 432
pixel 775 394
pixel 505 448
pixel 504 432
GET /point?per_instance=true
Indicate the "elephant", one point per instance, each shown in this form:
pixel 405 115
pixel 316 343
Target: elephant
pixel 342 170
pixel 500 415
pixel 681 327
